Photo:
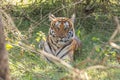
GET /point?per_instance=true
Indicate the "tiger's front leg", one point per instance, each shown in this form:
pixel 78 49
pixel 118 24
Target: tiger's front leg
pixel 41 44
pixel 68 58
pixel 69 52
pixel 77 47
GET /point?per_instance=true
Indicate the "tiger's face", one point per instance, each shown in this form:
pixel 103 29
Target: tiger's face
pixel 61 28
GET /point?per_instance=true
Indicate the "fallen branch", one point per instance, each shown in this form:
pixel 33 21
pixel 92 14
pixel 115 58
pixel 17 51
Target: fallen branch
pixel 114 45
pixel 76 72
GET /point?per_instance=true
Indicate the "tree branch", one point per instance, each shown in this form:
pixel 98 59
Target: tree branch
pixel 117 30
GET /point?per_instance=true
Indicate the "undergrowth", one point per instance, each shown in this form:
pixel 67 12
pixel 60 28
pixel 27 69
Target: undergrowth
pixel 93 30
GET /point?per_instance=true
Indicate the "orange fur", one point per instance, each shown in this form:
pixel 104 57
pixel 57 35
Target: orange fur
pixel 61 40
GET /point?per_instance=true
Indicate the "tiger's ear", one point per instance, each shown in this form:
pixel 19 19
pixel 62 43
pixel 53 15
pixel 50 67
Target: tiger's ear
pixel 73 18
pixel 51 17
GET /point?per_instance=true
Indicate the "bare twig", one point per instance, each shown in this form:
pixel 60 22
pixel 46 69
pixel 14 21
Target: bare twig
pixel 54 11
pixel 76 72
pixel 114 45
pixel 117 30
pixel 80 74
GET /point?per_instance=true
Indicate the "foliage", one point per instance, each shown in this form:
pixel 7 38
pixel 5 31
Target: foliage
pixel 94 26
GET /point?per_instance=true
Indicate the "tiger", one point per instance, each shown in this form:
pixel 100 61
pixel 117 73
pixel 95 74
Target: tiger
pixel 61 40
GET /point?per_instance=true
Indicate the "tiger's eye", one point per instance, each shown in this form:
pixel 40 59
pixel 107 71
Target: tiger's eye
pixel 70 34
pixel 52 32
pixel 57 24
pixel 53 25
pixel 66 25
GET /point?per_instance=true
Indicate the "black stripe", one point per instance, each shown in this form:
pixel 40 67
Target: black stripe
pixel 50 47
pixel 49 60
pixel 63 48
pixel 60 50
pixel 45 56
pixel 65 54
pixel 54 43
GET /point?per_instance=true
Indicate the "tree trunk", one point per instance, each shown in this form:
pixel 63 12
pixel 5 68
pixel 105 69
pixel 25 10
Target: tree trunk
pixel 4 68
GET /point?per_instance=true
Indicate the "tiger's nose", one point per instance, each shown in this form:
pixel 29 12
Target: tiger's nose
pixel 60 38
